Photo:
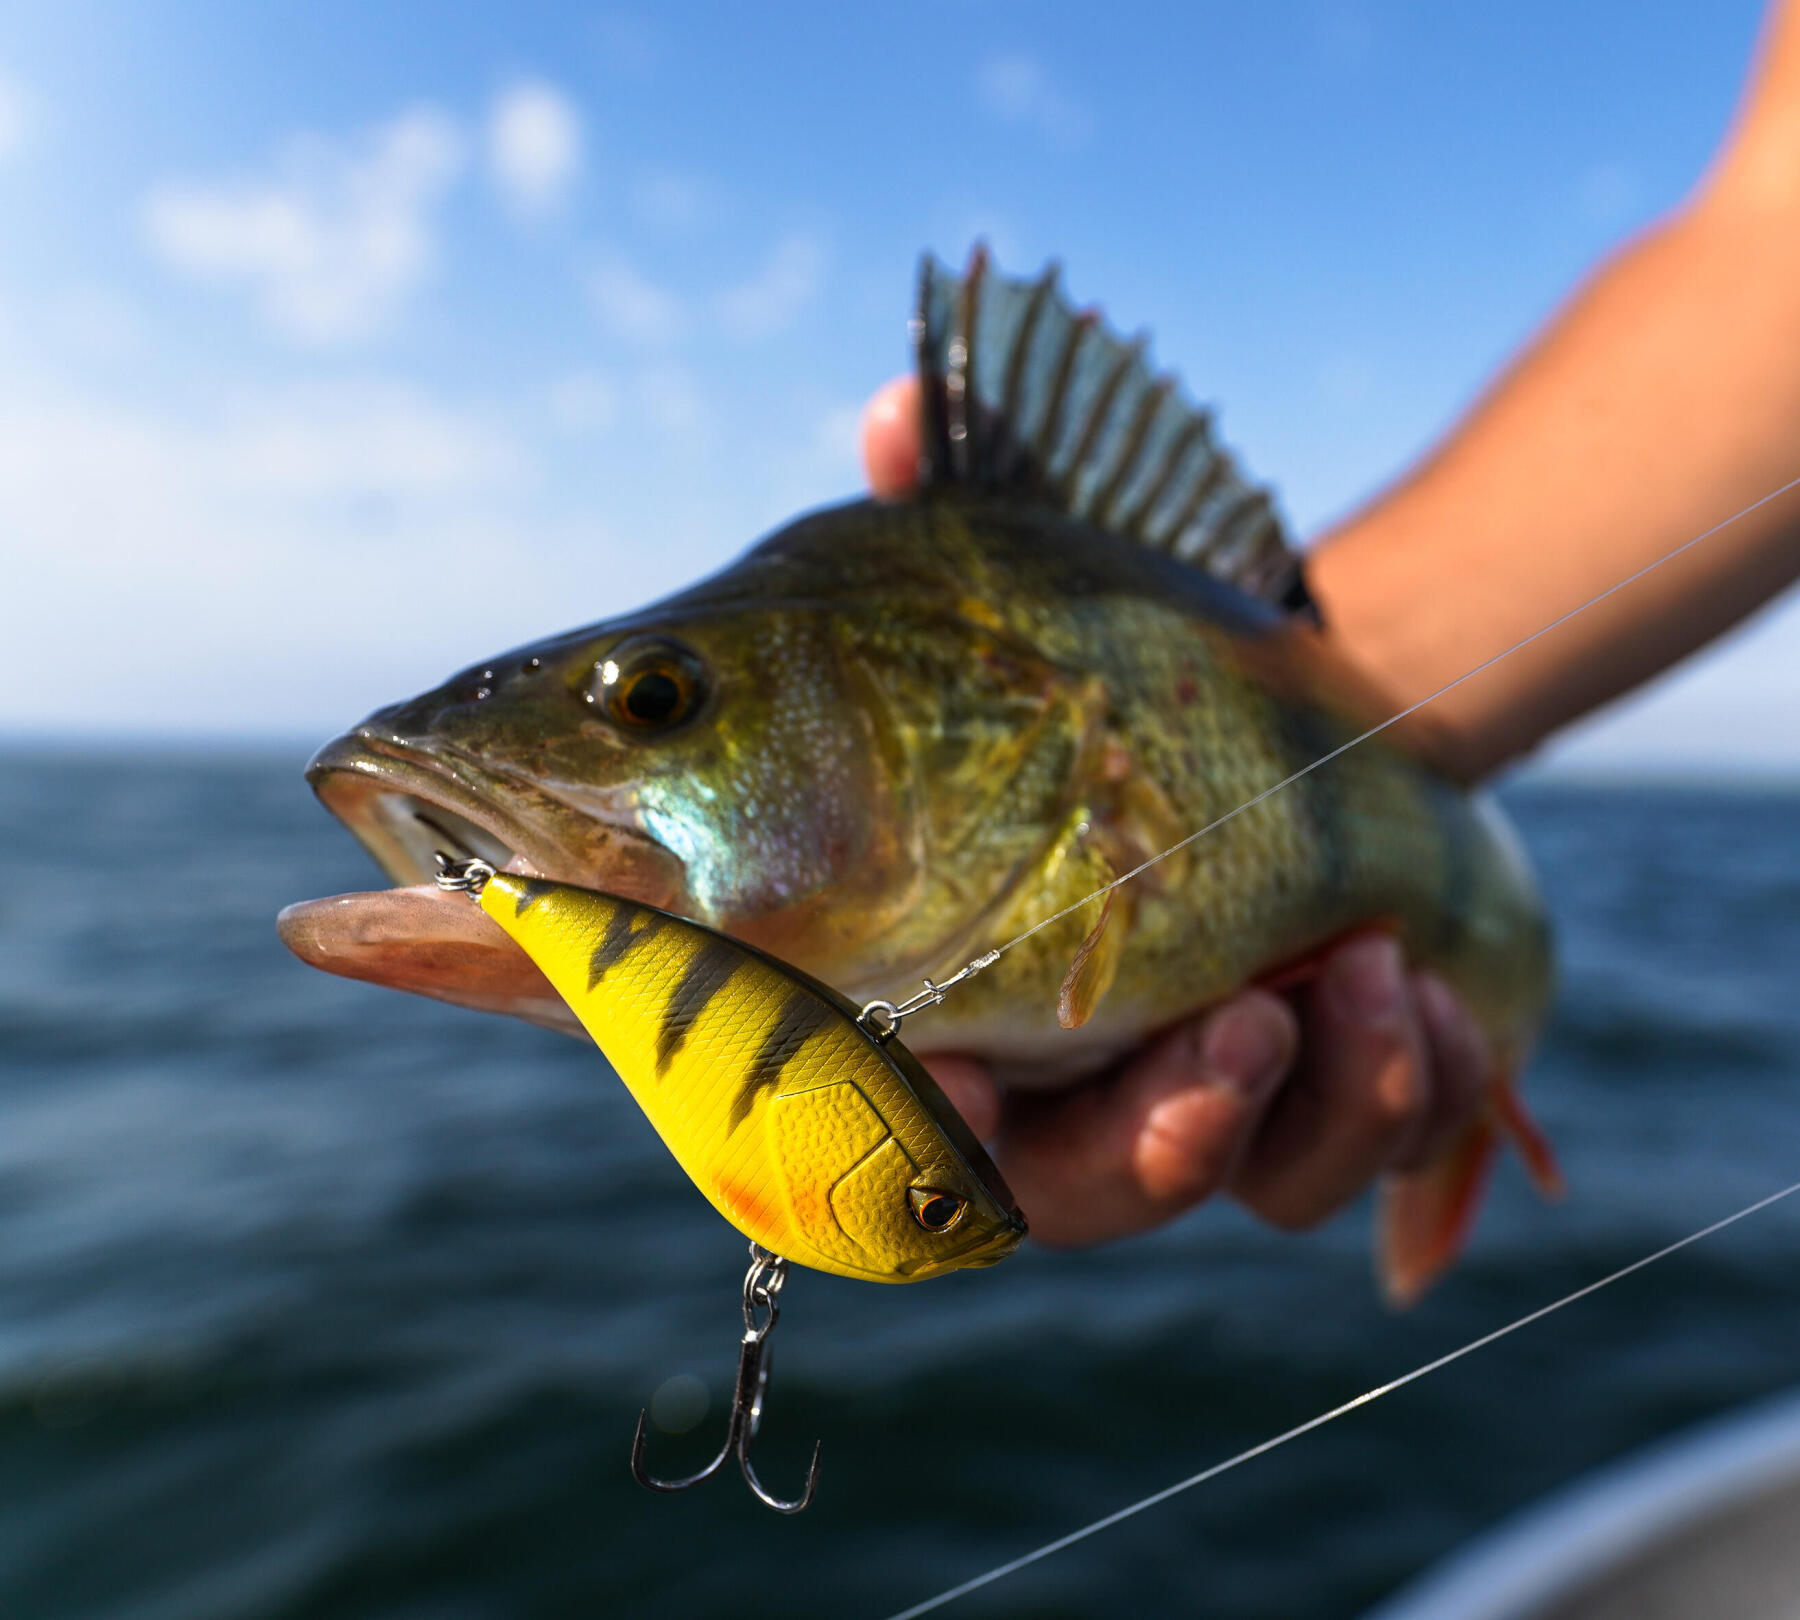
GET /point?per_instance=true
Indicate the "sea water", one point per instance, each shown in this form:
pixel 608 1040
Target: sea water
pixel 320 1300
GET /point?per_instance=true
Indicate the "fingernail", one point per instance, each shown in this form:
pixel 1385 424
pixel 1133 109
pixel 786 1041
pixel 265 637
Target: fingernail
pixel 1243 1047
pixel 1367 979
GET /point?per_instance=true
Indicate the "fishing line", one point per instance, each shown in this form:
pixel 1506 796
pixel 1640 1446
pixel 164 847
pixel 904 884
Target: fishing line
pixel 994 955
pixel 1000 1571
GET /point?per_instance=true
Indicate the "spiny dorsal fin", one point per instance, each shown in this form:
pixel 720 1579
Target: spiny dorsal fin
pixel 1024 395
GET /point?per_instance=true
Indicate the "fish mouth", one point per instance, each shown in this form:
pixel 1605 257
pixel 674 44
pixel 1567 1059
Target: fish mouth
pixel 405 803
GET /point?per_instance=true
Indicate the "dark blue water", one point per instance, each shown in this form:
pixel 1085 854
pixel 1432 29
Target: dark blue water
pixel 317 1300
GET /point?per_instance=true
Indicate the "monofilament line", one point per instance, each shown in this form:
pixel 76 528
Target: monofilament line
pixel 1001 1571
pixel 1393 719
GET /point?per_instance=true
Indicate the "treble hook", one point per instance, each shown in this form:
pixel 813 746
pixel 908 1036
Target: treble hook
pixel 762 1286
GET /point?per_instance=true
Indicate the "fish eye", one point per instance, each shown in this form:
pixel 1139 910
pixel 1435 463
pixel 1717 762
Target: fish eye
pixel 936 1211
pixel 648 685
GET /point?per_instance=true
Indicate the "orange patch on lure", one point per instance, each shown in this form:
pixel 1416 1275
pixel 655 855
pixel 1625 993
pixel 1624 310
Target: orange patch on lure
pixel 753 1209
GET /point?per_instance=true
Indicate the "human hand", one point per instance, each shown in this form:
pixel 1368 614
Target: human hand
pixel 1292 1107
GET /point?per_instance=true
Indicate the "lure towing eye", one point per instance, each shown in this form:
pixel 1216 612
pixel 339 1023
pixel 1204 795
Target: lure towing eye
pixel 882 1018
pixel 468 877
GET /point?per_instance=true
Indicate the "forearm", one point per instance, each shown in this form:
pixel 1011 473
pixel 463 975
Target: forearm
pixel 1664 398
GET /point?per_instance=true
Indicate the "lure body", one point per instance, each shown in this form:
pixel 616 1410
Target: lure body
pixel 810 1135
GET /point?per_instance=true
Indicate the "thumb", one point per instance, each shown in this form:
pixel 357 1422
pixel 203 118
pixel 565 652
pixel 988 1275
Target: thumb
pixel 891 439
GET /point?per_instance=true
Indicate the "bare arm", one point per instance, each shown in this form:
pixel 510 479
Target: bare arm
pixel 1661 400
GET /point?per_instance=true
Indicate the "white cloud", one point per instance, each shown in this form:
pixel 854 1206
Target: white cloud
pixel 268 447
pixel 771 300
pixel 333 241
pixel 534 144
pixel 1017 89
pixel 632 307
pixel 281 557
pixel 360 437
pixel 96 322
pixel 15 117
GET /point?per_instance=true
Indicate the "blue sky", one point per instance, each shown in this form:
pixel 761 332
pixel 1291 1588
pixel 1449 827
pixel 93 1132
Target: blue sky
pixel 343 345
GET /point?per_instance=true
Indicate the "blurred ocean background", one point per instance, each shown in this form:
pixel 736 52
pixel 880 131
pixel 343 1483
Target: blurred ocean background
pixel 317 1300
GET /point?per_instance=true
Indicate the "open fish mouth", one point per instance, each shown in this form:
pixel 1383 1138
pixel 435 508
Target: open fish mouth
pixel 404 805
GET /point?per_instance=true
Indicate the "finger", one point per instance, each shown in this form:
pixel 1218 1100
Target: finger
pixel 891 439
pixel 970 1088
pixel 1360 1099
pixel 1460 1061
pixel 1130 1151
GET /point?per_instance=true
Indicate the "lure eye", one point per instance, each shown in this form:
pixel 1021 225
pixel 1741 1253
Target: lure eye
pixel 936 1211
pixel 649 685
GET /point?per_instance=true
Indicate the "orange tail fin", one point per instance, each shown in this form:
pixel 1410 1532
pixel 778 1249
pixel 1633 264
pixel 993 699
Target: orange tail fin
pixel 1426 1215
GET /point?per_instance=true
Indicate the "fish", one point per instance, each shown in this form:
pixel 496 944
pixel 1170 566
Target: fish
pixel 891 735
pixel 815 1134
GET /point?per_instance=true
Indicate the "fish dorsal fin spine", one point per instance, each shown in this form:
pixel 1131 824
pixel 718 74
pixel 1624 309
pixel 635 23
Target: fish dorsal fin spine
pixel 1025 395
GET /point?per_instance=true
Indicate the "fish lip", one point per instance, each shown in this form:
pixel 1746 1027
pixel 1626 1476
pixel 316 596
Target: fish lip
pixel 353 774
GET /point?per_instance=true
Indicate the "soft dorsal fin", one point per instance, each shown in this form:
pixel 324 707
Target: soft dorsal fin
pixel 1026 396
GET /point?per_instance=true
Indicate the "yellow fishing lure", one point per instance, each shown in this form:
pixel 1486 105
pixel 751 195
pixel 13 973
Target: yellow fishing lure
pixel 811 1133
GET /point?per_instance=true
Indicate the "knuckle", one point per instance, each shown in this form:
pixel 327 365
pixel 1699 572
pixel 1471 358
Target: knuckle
pixel 1291 1201
pixel 1182 1151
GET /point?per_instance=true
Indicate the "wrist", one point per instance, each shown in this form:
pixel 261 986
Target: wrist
pixel 1389 655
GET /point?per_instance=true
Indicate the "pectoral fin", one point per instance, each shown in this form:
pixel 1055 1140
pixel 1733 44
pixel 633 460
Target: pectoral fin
pixel 1096 962
pixel 1426 1215
pixel 1514 1123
